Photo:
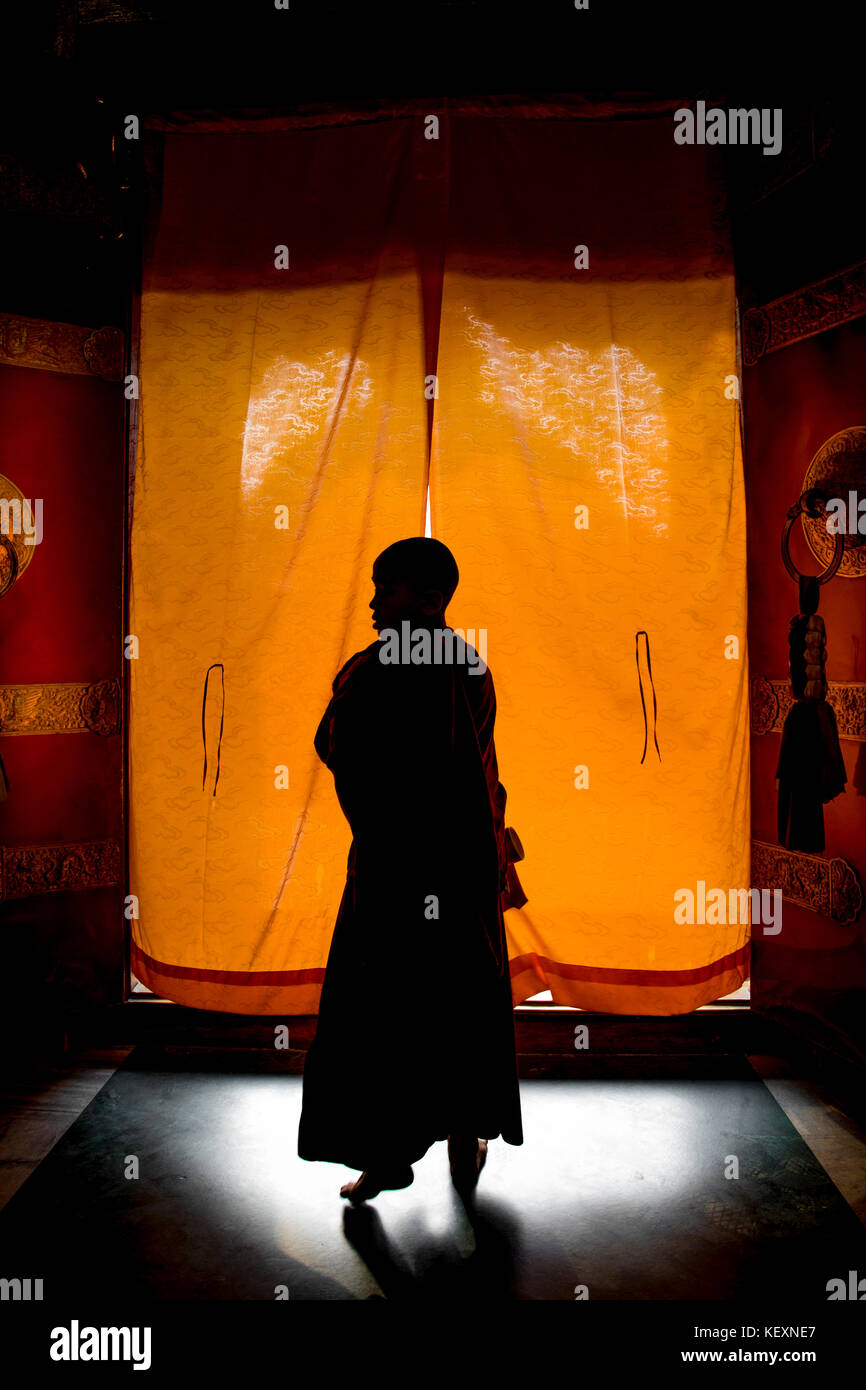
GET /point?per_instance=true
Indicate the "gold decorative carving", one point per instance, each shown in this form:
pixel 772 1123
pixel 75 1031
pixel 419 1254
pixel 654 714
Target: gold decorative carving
pixel 840 467
pixel 70 707
pixel 771 700
pixel 830 887
pixel 28 870
pixel 15 553
pixel 113 12
pixel 61 347
pixel 814 309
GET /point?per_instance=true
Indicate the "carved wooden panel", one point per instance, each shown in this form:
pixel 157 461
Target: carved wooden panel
pixel 31 869
pixel 830 887
pixel 771 700
pixel 804 313
pixel 70 707
pixel 61 347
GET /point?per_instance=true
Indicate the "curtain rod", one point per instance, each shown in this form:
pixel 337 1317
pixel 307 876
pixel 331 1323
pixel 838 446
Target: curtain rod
pixel 324 114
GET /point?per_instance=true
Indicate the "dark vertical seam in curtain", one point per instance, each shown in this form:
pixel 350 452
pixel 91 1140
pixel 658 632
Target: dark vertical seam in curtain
pixel 738 480
pixel 505 155
pixel 433 318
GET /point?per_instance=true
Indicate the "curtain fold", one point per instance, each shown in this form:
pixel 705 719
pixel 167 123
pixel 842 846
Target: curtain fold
pixel 287 428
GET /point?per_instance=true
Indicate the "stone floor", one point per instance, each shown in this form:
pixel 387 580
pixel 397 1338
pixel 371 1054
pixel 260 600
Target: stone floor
pixel 619 1189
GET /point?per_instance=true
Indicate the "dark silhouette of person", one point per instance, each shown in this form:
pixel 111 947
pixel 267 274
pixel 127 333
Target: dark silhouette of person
pixel 415 1035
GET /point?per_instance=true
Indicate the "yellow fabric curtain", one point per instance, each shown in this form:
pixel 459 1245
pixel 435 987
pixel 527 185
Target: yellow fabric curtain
pixel 283 443
pixel 609 388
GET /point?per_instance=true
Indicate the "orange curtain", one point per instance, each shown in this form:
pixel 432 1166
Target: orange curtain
pixel 587 474
pixel 285 428
pixel 283 444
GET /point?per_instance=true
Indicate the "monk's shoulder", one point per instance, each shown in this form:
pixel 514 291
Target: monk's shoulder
pixel 476 674
pixel 358 665
pixel 480 694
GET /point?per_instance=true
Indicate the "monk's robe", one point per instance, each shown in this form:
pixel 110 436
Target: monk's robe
pixel 415 1034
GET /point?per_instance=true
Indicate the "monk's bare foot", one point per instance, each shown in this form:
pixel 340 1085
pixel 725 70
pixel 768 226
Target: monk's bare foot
pixel 371 1184
pixel 466 1158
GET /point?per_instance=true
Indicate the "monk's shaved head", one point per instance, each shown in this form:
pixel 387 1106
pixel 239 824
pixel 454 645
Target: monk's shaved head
pixel 422 563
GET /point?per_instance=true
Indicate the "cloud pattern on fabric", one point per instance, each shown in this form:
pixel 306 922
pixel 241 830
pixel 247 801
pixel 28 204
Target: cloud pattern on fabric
pixel 605 408
pixel 292 402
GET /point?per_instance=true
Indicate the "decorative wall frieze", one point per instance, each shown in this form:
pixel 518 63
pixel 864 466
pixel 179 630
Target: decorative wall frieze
pixel 830 887
pixel 28 870
pixel 771 700
pixel 114 12
pixel 814 309
pixel 68 707
pixel 61 347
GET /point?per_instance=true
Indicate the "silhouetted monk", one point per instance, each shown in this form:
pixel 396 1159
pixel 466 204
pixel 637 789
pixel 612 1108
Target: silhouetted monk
pixel 415 1034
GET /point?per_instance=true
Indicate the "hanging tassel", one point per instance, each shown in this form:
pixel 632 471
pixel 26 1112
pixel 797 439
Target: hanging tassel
pixel 811 769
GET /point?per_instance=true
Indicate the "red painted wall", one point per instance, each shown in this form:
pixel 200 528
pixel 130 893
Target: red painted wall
pixel 62 439
pixel 794 400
